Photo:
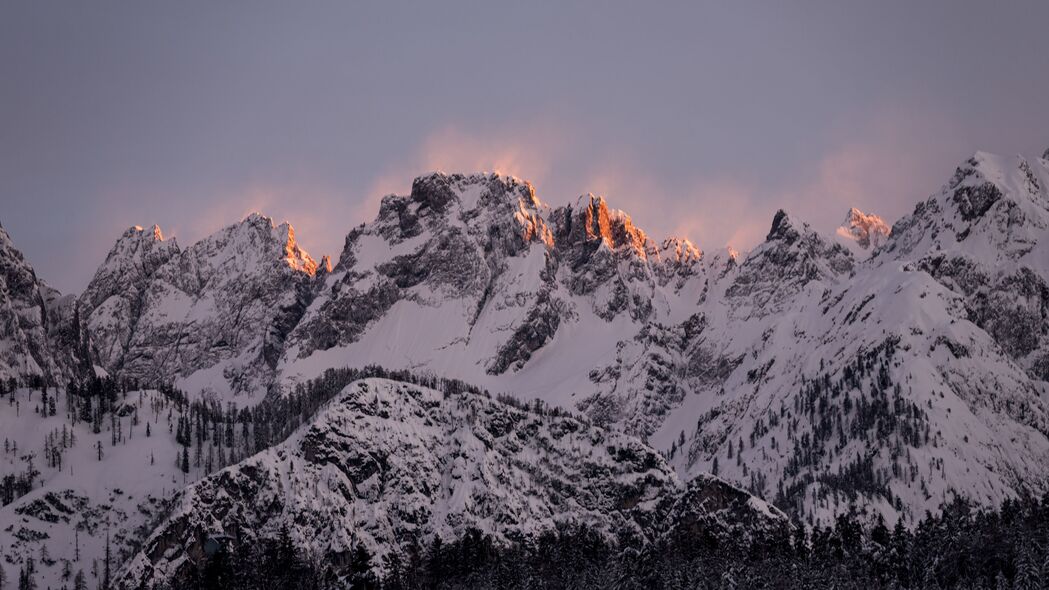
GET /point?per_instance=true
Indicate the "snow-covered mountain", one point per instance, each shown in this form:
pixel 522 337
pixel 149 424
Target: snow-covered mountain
pixel 212 317
pixel 390 463
pixel 850 383
pixel 869 370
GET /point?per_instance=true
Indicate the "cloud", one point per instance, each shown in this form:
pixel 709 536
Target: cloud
pixel 883 164
pixel 712 212
pixel 527 151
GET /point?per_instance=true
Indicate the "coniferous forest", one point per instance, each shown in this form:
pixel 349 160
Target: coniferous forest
pixel 962 548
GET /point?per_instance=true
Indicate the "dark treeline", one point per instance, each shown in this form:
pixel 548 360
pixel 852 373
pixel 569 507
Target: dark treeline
pixel 961 548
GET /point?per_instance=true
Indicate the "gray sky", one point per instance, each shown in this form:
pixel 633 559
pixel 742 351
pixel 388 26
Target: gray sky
pixel 699 119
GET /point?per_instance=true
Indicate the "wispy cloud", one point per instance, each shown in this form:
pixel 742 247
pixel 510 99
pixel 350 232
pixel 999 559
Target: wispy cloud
pixel 525 151
pixel 871 165
pixel 883 164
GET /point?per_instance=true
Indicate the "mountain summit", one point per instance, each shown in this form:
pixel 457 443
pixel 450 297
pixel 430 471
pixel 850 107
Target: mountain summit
pixel 863 232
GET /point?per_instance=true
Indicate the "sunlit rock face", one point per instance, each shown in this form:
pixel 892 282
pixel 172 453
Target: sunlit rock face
pixel 862 232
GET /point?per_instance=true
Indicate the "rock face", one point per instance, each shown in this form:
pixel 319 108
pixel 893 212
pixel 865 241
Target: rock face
pixel 113 302
pixel 211 317
pixel 26 306
pixel 390 464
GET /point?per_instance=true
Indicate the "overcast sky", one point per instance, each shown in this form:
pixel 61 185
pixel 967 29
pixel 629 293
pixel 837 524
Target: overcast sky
pixel 699 119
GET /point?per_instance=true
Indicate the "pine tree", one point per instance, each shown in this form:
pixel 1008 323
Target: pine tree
pixel 1027 574
pixel 79 582
pixel 362 576
pixel 105 571
pixel 27 578
pixel 86 415
pixel 184 466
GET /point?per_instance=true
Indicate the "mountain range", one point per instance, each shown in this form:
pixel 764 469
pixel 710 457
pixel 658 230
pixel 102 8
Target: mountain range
pixel 881 371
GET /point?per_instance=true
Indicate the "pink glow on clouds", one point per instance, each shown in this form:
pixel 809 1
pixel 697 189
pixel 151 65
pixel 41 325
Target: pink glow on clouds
pixel 871 169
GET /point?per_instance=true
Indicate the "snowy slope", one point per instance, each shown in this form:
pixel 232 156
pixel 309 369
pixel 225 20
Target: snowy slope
pixel 78 500
pixel 389 463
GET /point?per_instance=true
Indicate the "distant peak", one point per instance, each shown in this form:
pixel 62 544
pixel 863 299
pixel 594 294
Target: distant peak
pixel 866 230
pixel 437 190
pixel 296 257
pixel 782 227
pixel 681 249
pixel 256 218
pixel 137 231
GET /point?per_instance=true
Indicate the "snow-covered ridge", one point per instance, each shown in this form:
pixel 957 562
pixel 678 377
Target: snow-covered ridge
pixel 389 464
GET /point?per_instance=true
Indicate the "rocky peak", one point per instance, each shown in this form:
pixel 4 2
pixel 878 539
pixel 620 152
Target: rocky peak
pixel 680 250
pixel 296 257
pixel 972 192
pixel 256 240
pixel 437 191
pixel 434 191
pixel 993 207
pixel 782 228
pixel 866 230
pixel 15 271
pixel 789 235
pixel 135 256
pixel 483 202
pixel 791 256
pixel 590 223
pixel 325 265
pixel 24 349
